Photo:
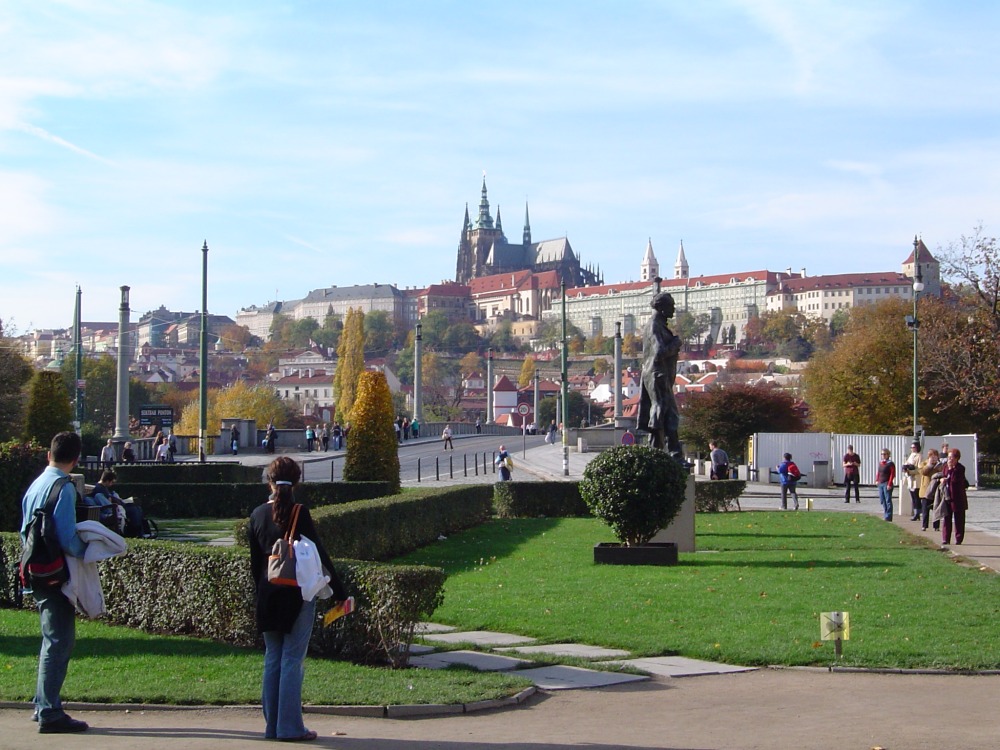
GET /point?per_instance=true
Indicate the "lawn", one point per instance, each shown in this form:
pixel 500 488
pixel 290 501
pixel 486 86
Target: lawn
pixel 112 664
pixel 752 594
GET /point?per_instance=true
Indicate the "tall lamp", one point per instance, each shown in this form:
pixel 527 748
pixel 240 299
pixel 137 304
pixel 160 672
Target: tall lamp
pixel 913 323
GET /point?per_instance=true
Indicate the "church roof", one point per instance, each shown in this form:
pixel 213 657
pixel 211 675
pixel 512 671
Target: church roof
pixel 842 281
pixel 923 254
pixel 499 282
pixel 551 251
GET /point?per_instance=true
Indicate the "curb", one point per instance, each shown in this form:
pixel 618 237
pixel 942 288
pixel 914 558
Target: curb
pixel 368 712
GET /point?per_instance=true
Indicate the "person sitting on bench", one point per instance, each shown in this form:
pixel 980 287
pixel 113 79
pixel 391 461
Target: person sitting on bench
pixel 130 516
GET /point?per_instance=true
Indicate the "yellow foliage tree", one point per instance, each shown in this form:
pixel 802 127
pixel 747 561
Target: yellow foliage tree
pixel 372 447
pixel 239 400
pixel 527 375
pixel 350 363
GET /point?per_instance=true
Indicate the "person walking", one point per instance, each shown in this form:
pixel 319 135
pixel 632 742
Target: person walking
pixel 55 612
pixel 912 479
pixel 789 476
pixel 108 455
pixel 415 428
pixel 324 437
pixel 885 478
pixel 234 439
pixel 504 464
pixel 956 498
pixel 128 455
pixel 930 482
pixel 269 438
pixel 171 446
pixel 338 435
pixel 310 438
pixel 284 619
pixel 446 437
pixel 852 475
pixel 720 461
pixel 406 428
pixel 479 426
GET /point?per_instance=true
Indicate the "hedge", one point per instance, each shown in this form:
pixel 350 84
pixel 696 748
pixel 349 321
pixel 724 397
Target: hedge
pixel 207 592
pixel 718 495
pixel 538 499
pixel 180 473
pixel 229 500
pixel 20 464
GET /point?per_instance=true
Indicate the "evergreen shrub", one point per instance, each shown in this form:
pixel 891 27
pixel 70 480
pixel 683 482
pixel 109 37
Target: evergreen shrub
pixel 635 489
pixel 20 464
pixel 538 500
pixel 372 449
pixel 718 495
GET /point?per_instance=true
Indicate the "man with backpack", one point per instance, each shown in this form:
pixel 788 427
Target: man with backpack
pixel 789 475
pixel 56 613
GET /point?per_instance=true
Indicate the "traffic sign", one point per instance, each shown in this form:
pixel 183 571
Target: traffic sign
pixel 523 409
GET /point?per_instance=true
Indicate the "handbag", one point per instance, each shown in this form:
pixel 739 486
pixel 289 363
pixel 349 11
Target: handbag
pixel 281 563
pixel 43 565
pixel 309 571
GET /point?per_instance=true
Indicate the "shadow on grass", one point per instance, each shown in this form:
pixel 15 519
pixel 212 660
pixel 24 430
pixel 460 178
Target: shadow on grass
pixel 705 562
pixel 494 539
pixel 86 646
pixel 764 535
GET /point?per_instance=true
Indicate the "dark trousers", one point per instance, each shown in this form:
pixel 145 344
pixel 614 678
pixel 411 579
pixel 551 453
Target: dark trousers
pixel 950 511
pixel 925 512
pixel 855 480
pixel 915 503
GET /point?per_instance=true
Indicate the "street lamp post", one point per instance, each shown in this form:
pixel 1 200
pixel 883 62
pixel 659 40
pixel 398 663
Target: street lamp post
pixel 913 323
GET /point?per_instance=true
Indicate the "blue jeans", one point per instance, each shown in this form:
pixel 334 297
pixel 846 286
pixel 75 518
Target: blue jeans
pixel 284 667
pixel 885 498
pixel 58 621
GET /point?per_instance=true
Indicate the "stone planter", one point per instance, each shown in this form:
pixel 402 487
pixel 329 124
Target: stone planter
pixel 651 553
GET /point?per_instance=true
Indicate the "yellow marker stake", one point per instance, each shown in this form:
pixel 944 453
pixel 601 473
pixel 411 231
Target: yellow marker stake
pixel 836 627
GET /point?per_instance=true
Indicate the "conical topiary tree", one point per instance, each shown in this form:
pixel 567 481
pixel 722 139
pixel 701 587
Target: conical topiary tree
pixel 49 409
pixel 371 446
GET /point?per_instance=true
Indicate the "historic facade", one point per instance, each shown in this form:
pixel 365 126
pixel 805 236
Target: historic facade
pixel 484 250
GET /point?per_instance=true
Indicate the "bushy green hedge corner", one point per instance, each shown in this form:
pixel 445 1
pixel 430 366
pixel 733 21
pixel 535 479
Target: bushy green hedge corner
pixel 718 495
pixel 20 463
pixel 538 500
pixel 635 489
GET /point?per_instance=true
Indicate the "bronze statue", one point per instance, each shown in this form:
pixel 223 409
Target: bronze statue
pixel 658 413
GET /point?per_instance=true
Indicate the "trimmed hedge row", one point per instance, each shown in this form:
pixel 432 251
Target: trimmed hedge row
pixel 718 495
pixel 229 500
pixel 538 499
pixel 207 592
pixel 19 465
pixel 214 472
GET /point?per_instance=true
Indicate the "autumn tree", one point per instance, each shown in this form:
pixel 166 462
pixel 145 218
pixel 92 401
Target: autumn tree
pixel 15 372
pixel 471 363
pixel 240 400
pixel 372 452
pixel 438 376
pixel 235 338
pixel 601 366
pixel 631 345
pixel 350 363
pixel 959 335
pixel 49 410
pixel 527 376
pixel 734 413
pixel 865 382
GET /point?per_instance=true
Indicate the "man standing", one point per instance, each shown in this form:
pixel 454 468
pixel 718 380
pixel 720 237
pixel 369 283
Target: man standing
pixel 720 461
pixel 234 439
pixel 852 475
pixel 108 455
pixel 58 622
pixel 885 478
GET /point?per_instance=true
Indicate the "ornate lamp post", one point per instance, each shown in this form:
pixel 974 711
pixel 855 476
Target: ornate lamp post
pixel 913 323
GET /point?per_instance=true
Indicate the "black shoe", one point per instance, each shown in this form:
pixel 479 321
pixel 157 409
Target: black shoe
pixel 847 501
pixel 65 725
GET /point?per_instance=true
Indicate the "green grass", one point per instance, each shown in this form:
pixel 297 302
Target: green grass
pixel 113 665
pixel 197 530
pixel 752 594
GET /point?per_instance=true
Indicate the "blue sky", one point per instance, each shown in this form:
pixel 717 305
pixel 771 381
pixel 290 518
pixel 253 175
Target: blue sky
pixel 319 143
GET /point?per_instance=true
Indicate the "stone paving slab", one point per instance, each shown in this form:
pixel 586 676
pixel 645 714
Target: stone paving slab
pixel 575 678
pixel 478 637
pixel 578 650
pixel 432 627
pixel 678 666
pixel 475 659
pixel 418 649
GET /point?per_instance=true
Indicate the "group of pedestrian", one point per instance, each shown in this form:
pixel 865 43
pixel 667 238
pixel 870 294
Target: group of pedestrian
pixel 404 426
pixel 938 488
pixel 165 447
pixel 108 458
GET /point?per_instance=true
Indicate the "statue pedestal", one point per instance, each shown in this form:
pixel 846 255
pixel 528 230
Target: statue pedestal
pixel 681 530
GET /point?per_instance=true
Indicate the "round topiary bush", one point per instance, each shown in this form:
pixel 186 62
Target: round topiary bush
pixel 635 489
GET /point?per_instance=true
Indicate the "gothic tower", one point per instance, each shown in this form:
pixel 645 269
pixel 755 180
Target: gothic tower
pixel 681 270
pixel 649 269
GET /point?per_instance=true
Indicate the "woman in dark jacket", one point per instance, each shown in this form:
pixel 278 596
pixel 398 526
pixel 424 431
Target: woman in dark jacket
pixel 956 498
pixel 285 620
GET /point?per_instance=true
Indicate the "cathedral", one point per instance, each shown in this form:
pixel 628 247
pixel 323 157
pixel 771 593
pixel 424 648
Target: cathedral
pixel 484 250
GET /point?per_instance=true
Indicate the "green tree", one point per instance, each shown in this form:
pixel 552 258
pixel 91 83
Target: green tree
pixel 435 329
pixel 503 339
pixel 577 410
pixel 350 363
pixel 601 366
pixel 372 451
pixel 379 333
pixel 15 372
pixel 101 393
pixel 329 334
pixel 864 383
pixel 733 413
pixel 527 376
pixel 49 409
pixel 462 337
pixel 691 327
pixel 439 376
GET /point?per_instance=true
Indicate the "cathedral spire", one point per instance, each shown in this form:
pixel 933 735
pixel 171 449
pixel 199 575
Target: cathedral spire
pixel 485 221
pixel 649 269
pixel 681 270
pixel 527 226
pixel 465 226
pixel 499 223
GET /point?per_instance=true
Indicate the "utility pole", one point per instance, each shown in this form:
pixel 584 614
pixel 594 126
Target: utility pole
pixel 565 386
pixel 203 363
pixel 78 348
pixel 121 410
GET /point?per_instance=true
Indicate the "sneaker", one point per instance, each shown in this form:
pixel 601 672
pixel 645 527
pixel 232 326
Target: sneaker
pixel 65 725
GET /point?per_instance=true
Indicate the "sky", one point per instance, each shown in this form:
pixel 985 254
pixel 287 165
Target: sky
pixel 331 142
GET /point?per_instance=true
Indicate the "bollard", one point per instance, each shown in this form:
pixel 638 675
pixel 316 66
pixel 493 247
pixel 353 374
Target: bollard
pixel 465 464
pixel 451 466
pixel 809 503
pixel 494 461
pixel 333 474
pixel 418 470
pixel 437 468
pixel 475 463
